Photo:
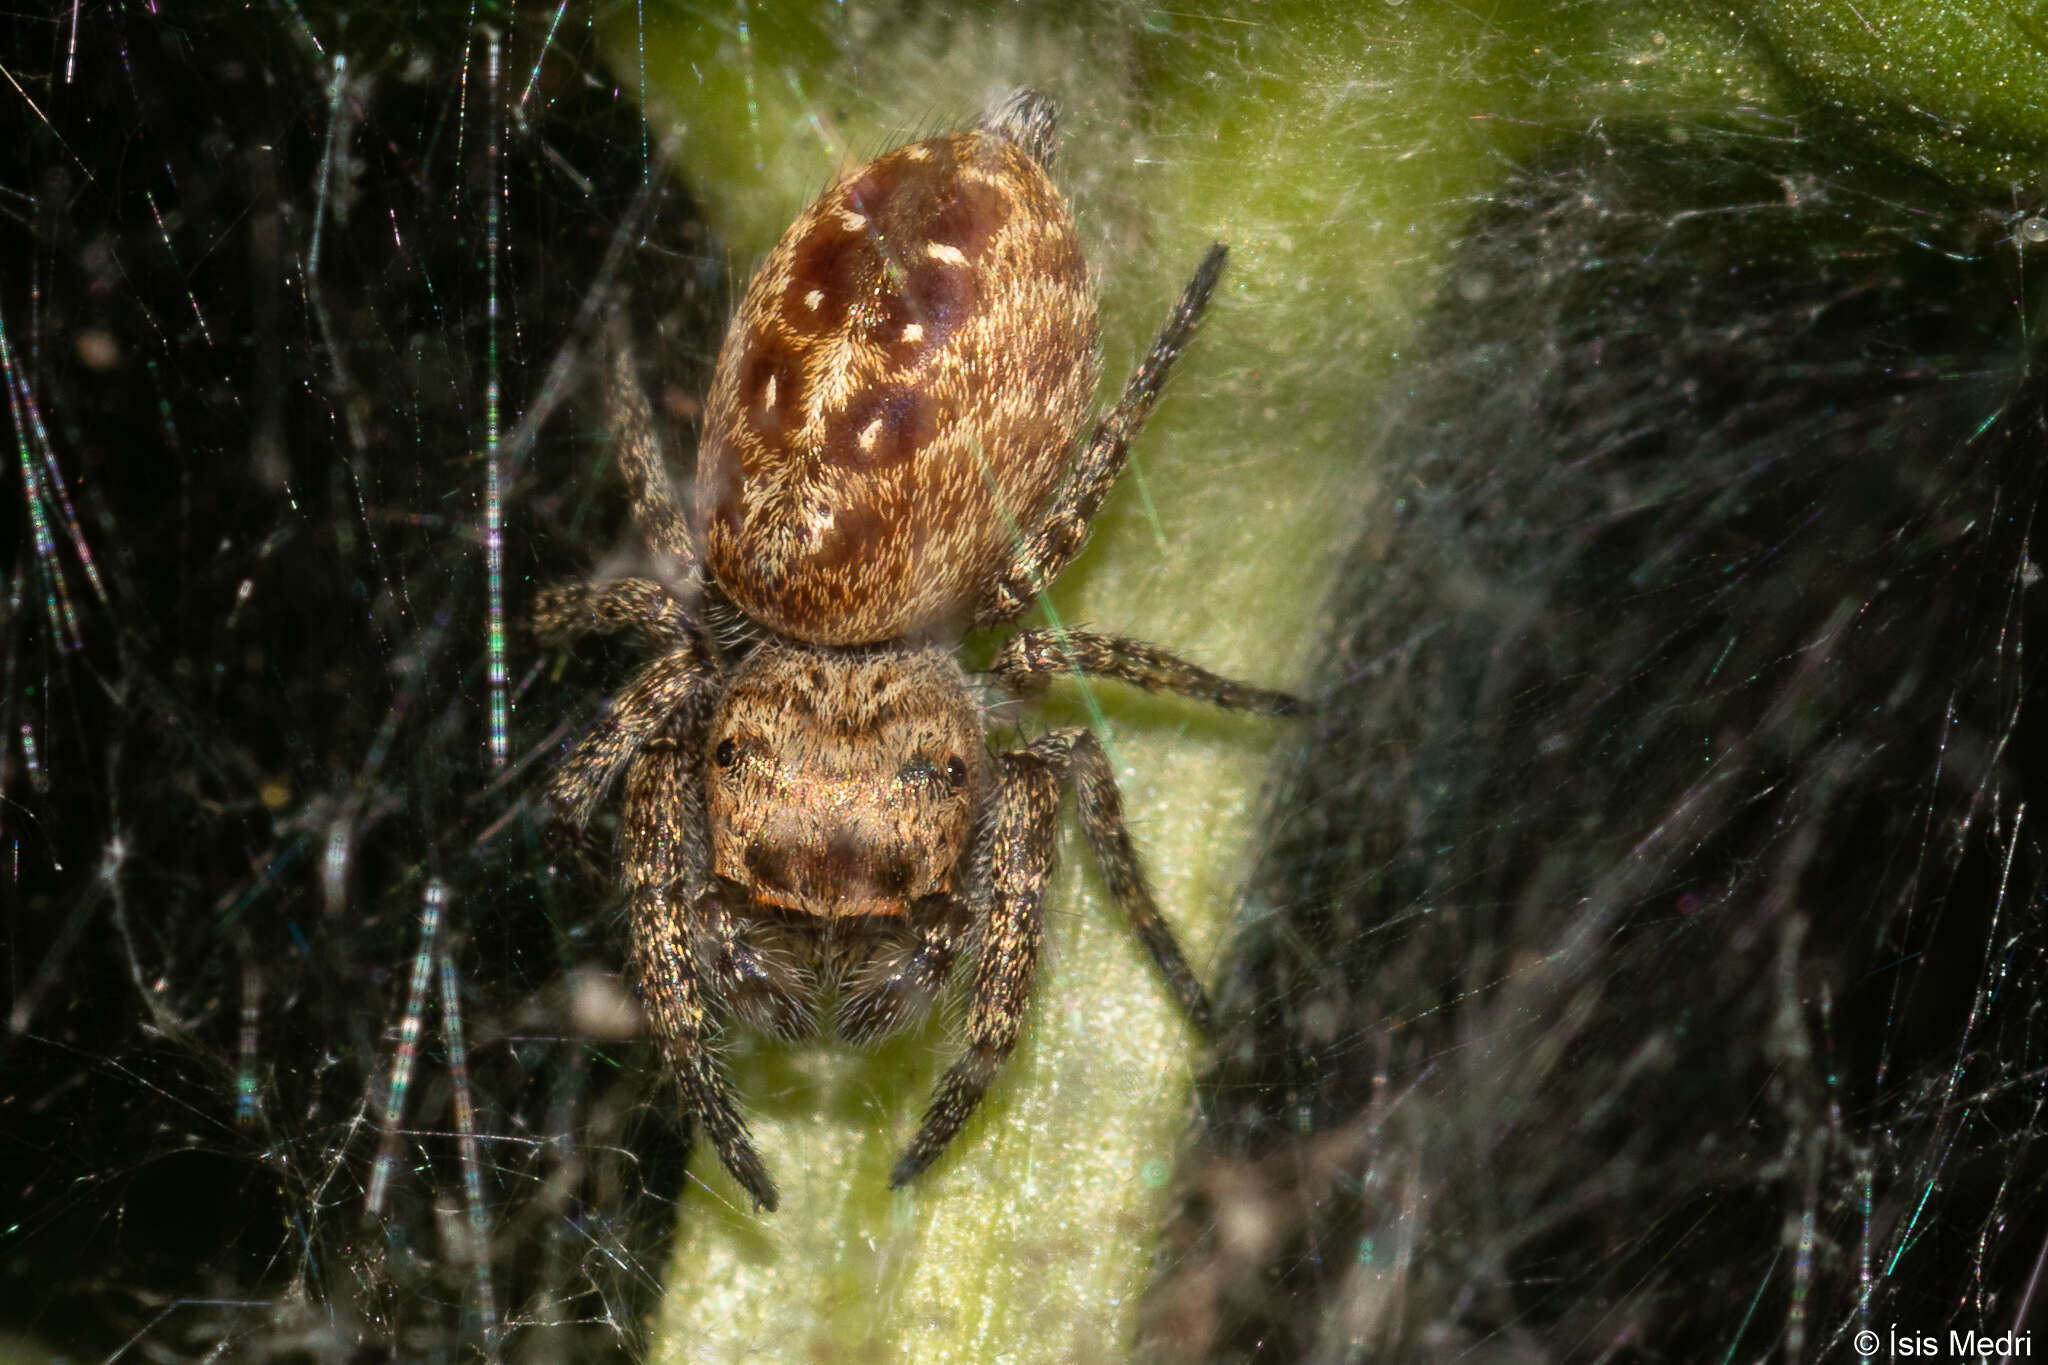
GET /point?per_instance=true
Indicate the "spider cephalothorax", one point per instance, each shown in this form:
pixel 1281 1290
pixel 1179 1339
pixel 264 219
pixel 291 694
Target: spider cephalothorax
pixel 889 457
pixel 844 783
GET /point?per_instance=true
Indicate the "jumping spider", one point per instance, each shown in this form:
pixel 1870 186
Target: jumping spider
pixel 887 459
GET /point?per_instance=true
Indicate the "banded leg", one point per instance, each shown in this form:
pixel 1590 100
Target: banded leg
pixel 640 606
pixel 1060 535
pixel 665 859
pixel 657 694
pixel 1012 865
pixel 1030 658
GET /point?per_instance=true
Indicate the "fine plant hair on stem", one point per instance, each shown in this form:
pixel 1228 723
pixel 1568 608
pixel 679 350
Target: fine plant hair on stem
pixel 1648 953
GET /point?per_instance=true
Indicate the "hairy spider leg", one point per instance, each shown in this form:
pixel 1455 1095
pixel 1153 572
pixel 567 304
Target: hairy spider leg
pixel 646 705
pixel 1063 529
pixel 642 460
pixel 666 870
pixel 1101 807
pixel 1029 659
pixel 1011 865
pixel 1012 868
pixel 640 608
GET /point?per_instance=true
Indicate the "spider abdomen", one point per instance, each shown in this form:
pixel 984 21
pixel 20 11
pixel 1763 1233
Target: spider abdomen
pixel 899 393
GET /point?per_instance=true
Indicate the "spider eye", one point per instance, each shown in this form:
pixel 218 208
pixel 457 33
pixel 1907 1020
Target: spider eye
pixel 726 752
pixel 956 772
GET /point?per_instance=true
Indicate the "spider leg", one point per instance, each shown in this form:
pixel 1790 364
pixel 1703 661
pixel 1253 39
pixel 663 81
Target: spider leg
pixel 1030 119
pixel 641 459
pixel 654 697
pixel 1014 864
pixel 1060 533
pixel 1101 808
pixel 1028 659
pixel 665 861
pixel 564 611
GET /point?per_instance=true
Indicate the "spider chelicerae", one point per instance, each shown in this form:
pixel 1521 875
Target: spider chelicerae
pixel 811 814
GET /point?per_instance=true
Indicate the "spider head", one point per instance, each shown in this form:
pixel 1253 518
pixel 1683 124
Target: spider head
pixel 844 782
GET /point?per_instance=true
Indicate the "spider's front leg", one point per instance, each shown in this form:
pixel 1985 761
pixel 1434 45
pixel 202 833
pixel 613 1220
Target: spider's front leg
pixel 1012 863
pixel 1012 866
pixel 666 863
